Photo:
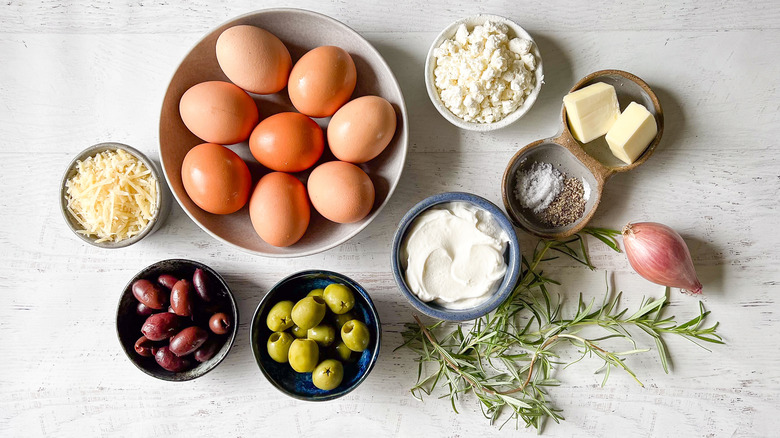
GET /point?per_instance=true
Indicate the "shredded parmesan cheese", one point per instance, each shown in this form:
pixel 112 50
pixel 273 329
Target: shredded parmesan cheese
pixel 113 195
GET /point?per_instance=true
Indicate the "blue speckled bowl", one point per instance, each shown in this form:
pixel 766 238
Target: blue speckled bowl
pixel 512 258
pixel 299 385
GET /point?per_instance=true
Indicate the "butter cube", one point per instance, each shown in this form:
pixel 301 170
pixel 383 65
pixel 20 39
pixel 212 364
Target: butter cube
pixel 592 111
pixel 632 133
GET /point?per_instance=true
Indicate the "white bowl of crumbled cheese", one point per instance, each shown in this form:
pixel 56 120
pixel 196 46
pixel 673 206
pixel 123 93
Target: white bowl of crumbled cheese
pixel 483 72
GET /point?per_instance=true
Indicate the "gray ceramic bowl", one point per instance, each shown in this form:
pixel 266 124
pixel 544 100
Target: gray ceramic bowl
pixel 515 30
pixel 299 385
pixel 300 31
pixel 128 323
pixel 163 195
pixel 512 258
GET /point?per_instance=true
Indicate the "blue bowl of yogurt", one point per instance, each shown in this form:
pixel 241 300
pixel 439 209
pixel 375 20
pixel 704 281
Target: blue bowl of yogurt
pixel 455 256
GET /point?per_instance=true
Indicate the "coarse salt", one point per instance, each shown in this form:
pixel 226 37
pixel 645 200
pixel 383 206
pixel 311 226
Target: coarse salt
pixel 538 186
pixel 585 189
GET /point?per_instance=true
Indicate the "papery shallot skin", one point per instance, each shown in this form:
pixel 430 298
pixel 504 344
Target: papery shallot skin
pixel 659 254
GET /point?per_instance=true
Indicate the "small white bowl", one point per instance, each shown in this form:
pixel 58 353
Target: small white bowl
pixel 430 63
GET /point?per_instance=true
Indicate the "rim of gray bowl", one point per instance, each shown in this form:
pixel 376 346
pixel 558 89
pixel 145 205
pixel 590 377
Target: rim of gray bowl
pixel 163 207
pixel 510 278
pixel 261 307
pixel 433 93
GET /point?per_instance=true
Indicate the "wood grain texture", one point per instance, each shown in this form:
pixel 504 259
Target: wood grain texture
pixel 193 16
pixel 78 73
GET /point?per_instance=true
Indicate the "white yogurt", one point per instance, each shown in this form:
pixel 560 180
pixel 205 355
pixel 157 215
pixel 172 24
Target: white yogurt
pixel 453 255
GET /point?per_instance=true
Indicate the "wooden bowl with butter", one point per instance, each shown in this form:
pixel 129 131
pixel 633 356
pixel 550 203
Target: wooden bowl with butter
pixel 590 164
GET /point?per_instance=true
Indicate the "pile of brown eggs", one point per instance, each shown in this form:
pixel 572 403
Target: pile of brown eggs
pixel 319 85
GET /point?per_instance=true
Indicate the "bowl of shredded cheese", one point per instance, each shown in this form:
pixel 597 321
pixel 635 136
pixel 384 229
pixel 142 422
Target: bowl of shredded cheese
pixel 111 196
pixel 483 72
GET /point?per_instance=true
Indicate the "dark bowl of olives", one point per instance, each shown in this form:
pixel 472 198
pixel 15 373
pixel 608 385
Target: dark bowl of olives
pixel 176 319
pixel 316 335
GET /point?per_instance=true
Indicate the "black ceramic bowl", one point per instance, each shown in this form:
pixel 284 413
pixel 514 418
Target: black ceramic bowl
pixel 281 375
pixel 128 323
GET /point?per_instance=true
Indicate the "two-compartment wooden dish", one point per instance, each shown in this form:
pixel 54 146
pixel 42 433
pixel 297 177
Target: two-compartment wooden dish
pixel 592 162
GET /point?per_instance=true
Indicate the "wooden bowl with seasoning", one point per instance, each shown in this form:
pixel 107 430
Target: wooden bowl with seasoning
pixel 581 169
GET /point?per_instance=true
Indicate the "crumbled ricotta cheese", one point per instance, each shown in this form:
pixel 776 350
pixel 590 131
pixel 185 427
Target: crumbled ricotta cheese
pixel 482 76
pixel 113 195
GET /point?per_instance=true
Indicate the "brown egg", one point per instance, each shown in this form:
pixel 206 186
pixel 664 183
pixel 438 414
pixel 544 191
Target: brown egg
pixel 361 129
pixel 341 191
pixel 287 142
pixel 279 209
pixel 218 112
pixel 216 178
pixel 254 59
pixel 322 81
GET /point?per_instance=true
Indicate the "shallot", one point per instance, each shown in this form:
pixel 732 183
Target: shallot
pixel 659 254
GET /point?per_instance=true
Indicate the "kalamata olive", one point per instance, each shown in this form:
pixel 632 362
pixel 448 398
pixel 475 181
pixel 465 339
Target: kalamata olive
pixel 181 298
pixel 203 285
pixel 166 359
pixel 188 340
pixel 207 350
pixel 161 326
pixel 167 280
pixel 212 307
pixel 170 310
pixel 142 310
pixel 220 323
pixel 149 294
pixel 143 346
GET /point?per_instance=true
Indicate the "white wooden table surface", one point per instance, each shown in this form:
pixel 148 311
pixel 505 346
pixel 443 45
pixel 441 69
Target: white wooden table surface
pixel 75 73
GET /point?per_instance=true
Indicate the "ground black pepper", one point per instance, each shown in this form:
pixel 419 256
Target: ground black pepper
pixel 567 207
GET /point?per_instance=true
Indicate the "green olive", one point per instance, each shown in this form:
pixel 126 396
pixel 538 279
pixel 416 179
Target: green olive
pixel 279 317
pixel 328 374
pixel 303 355
pixel 322 334
pixel 308 312
pixel 343 353
pixel 315 293
pixel 279 346
pixel 338 298
pixel 342 319
pixel 355 335
pixel 298 332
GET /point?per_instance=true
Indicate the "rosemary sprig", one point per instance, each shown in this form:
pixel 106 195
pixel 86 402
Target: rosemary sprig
pixel 506 359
